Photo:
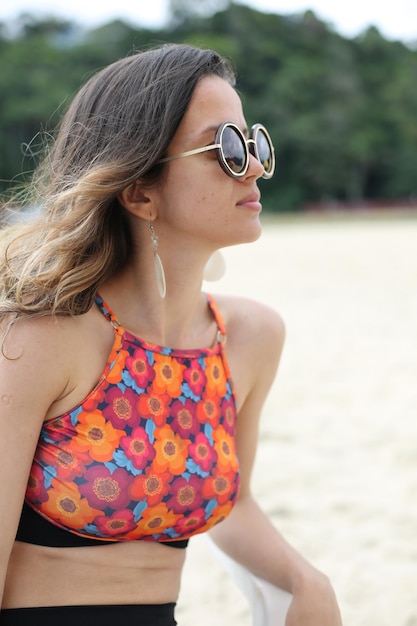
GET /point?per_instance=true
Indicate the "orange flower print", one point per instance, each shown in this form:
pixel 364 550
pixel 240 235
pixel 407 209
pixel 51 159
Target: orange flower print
pixel 168 375
pixel 94 398
pixel 150 452
pixel 157 519
pixel 151 487
pixel 220 513
pixel 208 410
pixel 171 451
pixel 154 406
pixel 216 379
pixel 225 448
pixel 96 436
pixel 118 524
pixel 114 375
pixel 66 506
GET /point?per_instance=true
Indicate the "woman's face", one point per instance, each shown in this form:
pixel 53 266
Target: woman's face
pixel 196 198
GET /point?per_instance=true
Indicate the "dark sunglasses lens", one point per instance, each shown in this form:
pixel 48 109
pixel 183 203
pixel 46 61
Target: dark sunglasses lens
pixel 234 151
pixel 264 150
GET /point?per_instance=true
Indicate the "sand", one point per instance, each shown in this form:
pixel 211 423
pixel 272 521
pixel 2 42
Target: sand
pixel 337 463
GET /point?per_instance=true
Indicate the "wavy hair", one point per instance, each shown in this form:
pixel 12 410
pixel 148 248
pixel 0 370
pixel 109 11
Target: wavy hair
pixel 116 129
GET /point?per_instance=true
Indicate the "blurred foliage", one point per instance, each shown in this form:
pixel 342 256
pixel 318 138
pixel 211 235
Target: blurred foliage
pixel 342 112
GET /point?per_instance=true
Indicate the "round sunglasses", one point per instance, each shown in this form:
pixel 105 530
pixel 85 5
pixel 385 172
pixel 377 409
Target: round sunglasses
pixel 233 150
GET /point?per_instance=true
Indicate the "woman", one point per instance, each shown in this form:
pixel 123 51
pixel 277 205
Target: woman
pixel 127 423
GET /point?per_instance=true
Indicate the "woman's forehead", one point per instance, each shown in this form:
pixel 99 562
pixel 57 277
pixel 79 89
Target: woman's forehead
pixel 214 101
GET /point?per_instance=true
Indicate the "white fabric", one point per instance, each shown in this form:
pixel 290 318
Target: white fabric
pixel 269 604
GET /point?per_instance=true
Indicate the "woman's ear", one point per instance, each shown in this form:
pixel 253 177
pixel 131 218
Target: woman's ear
pixel 135 200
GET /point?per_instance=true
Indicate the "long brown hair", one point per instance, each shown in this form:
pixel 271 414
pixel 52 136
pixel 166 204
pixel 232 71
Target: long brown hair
pixel 116 129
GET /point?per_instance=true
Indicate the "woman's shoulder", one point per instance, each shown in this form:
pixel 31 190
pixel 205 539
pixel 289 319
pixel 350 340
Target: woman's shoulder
pixel 247 317
pixel 33 370
pixel 255 331
pixel 42 347
pixel 57 359
pixel 255 337
pixel 23 336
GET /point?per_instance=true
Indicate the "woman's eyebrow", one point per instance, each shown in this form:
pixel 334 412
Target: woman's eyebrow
pixel 200 135
pixel 214 128
pixel 211 128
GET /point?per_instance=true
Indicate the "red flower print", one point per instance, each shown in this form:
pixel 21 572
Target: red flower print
pixel 228 410
pixel 185 421
pixel 137 448
pixel 171 451
pixel 191 523
pixel 57 430
pixel 139 368
pixel 225 447
pixel 202 453
pixel 220 486
pixel 105 489
pixel 151 487
pixel 35 491
pixel 196 378
pixel 186 494
pixel 153 406
pixel 65 462
pixel 121 407
pixel 168 375
pixel 149 454
pixel 120 523
pixel 216 377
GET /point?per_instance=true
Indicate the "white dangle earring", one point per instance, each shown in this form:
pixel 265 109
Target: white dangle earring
pixel 159 268
pixel 215 267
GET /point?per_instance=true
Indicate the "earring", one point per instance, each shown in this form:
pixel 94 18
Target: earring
pixel 215 267
pixel 159 268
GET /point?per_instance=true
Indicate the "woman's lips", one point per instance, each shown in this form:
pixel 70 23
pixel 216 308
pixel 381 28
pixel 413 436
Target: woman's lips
pixel 251 202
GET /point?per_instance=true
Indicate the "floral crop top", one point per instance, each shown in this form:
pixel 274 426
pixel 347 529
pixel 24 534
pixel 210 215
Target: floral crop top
pixel 150 453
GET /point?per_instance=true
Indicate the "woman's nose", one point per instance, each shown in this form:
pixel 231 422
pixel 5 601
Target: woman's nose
pixel 255 167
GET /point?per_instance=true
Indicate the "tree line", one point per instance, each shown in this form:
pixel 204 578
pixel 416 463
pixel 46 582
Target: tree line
pixel 341 111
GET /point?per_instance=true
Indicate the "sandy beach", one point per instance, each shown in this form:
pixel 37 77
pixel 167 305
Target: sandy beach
pixel 337 462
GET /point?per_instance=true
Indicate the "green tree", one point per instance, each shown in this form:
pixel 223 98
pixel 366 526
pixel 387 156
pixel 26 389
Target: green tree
pixel 340 111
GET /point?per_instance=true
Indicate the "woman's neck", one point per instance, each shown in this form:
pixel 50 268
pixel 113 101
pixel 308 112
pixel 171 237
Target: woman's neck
pixel 182 319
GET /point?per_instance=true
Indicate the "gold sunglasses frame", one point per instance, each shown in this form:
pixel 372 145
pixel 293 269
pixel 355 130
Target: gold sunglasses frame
pixel 245 142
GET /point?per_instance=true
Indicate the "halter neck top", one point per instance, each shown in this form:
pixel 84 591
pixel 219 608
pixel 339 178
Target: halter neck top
pixel 149 454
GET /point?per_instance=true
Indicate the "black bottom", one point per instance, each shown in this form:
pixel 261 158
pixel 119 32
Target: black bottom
pixel 106 615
